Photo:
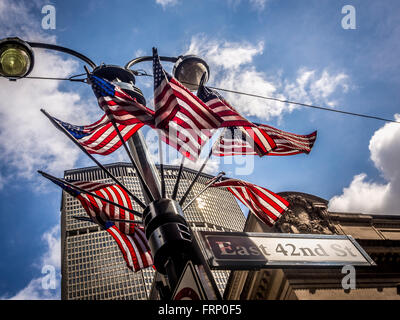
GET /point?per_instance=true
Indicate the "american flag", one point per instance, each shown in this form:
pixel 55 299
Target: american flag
pixel 134 248
pixel 234 141
pixel 119 105
pixel 265 204
pixel 229 116
pixel 287 143
pixel 101 211
pixel 129 236
pixel 100 137
pixel 262 143
pixel 186 121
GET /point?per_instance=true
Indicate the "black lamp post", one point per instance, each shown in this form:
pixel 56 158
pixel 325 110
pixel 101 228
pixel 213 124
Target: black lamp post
pixel 170 238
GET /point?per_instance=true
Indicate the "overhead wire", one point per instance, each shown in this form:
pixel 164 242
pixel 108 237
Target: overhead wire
pixel 141 72
pixel 304 104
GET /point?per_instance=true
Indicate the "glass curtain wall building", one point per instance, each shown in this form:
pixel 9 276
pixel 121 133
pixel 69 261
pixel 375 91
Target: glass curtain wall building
pixel 92 266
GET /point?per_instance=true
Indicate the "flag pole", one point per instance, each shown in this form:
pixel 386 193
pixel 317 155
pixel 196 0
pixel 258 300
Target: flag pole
pixel 181 202
pixel 108 173
pixel 160 151
pixel 201 84
pixel 139 173
pixel 116 220
pixel 62 181
pixel 178 178
pixel 213 180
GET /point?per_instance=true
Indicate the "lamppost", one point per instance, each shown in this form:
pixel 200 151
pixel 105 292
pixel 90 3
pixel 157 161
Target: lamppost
pixel 170 238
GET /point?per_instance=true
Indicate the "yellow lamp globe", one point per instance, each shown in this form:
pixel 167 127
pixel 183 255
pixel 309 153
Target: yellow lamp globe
pixel 16 58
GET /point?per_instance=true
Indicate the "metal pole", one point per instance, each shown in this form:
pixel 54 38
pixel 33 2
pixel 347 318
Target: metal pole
pixel 172 242
pixel 213 180
pixel 165 224
pixel 145 164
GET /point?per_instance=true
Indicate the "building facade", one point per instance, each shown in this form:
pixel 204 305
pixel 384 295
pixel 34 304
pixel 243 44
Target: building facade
pixel 92 266
pixel 378 235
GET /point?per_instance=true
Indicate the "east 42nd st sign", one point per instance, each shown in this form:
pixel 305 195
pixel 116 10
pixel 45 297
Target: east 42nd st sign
pixel 241 250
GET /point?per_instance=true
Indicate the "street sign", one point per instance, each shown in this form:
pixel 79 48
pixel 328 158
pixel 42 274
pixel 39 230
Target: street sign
pixel 251 250
pixel 189 286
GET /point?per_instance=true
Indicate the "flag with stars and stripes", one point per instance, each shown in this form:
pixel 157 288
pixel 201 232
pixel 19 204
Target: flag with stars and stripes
pixel 100 211
pixel 230 117
pixel 287 143
pixel 100 137
pixel 129 236
pixel 266 205
pixel 134 247
pixel 119 105
pixel 257 139
pixel 236 141
pixel 187 122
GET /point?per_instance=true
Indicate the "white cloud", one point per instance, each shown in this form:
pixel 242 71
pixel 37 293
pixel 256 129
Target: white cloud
pixel 165 3
pixel 51 258
pixel 34 291
pixel 16 20
pixel 228 55
pixel 53 254
pixel 255 4
pixel 250 80
pixel 232 67
pixel 258 4
pixel 211 166
pixel 312 87
pixel 28 141
pixel 368 196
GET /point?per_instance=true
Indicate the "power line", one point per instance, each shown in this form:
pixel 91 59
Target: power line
pixel 72 78
pixel 305 105
pixel 250 95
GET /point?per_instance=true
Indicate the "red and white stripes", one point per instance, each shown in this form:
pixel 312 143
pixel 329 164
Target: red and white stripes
pixel 265 204
pixel 130 237
pixel 134 248
pixel 185 120
pixel 289 143
pixel 102 211
pixel 124 109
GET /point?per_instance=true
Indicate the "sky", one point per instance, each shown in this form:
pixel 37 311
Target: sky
pixel 288 49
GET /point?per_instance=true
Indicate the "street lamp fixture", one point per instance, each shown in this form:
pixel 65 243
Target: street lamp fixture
pixel 189 70
pixel 124 78
pixel 16 58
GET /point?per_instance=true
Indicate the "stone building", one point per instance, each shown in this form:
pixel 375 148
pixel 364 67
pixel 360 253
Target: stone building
pixel 378 235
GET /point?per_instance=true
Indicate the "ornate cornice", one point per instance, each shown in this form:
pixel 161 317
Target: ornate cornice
pixel 306 214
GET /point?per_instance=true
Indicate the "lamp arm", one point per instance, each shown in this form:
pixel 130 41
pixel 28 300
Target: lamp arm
pixel 62 49
pixel 148 58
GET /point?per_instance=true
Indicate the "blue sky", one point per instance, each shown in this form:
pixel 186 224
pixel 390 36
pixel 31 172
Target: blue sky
pixel 289 49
